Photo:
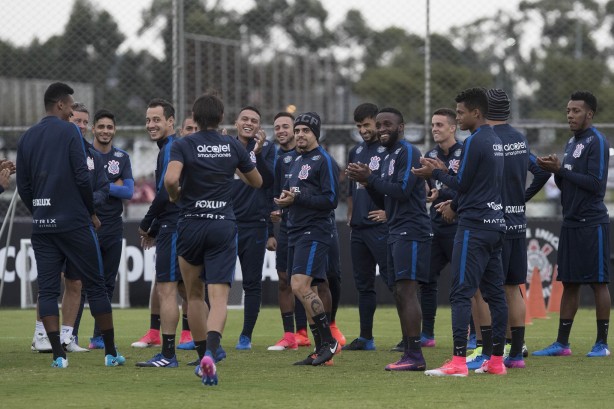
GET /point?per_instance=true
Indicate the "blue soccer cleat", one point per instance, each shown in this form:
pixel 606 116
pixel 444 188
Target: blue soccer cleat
pixel 244 344
pixel 220 354
pixel 555 349
pixel 60 362
pixel 159 361
pixel 110 360
pixel 472 342
pixel 96 343
pixel 427 341
pixel 207 371
pixel 476 359
pixel 599 350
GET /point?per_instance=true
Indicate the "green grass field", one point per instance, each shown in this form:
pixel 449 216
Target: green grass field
pixel 264 379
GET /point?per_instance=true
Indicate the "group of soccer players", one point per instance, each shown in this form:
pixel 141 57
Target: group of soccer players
pixel 217 196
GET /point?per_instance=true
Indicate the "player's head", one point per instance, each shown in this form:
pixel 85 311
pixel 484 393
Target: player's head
pixel 499 105
pixel 104 126
pixel 188 127
pixel 307 131
pixel 581 109
pixel 80 117
pixel 160 119
pixel 248 122
pixel 208 112
pixel 471 108
pixel 390 126
pixel 364 117
pixel 283 126
pixel 58 100
pixel 443 125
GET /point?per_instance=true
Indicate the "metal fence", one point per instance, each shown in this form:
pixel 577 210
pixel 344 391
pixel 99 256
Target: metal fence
pixel 325 56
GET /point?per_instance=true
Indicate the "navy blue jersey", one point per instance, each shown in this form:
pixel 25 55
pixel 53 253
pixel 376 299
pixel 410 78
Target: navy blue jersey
pixel 117 166
pixel 373 154
pixel 252 206
pixel 209 163
pixel 283 165
pixel 162 210
pixel 518 160
pixel 314 179
pixel 582 179
pixel 52 176
pixel 98 178
pixel 479 181
pixel 452 161
pixel 401 193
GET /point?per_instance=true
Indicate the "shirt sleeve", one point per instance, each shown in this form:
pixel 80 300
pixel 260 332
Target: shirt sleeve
pixel 597 157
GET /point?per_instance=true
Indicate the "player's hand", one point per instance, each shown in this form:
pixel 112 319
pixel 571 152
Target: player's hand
pixel 260 139
pixel 445 208
pixel 275 216
pixel 147 242
pixel 285 199
pixel 96 222
pixel 377 216
pixel 7 164
pixel 5 178
pixel 359 172
pixel 550 163
pixel 271 244
pixel 432 195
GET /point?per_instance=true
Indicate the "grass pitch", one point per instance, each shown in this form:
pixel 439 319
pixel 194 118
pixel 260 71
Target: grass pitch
pixel 267 379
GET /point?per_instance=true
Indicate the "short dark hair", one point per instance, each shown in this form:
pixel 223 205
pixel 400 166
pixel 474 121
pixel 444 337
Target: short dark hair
pixel 104 113
pixel 167 107
pixel 364 111
pixel 284 114
pixel 393 111
pixel 447 112
pixel 56 92
pixel 250 108
pixel 208 111
pixel 474 98
pixel 588 98
pixel 80 107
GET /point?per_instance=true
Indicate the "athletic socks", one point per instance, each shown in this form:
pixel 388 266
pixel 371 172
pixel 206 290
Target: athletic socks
pixel 411 344
pixel 486 340
pixel 56 345
pixel 201 348
pixel 250 314
pixel 185 326
pixel 154 321
pixel 498 346
pixel 602 331
pixel 287 319
pixel 168 345
pixel 75 330
pixel 213 342
pixel 367 304
pixel 517 340
pixel 460 348
pixel 564 331
pixel 323 326
pixel 316 335
pixel 108 336
pixel 334 284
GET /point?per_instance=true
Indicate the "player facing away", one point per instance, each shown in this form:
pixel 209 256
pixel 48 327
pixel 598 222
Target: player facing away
pixel 403 196
pixel 476 257
pixel 53 182
pixel 199 179
pixel 584 247
pixel 310 194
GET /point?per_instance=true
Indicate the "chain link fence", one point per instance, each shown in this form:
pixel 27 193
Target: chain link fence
pixel 310 54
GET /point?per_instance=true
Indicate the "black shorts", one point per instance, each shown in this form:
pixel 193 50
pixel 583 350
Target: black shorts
pixel 281 253
pixel 409 260
pixel 514 260
pixel 309 257
pixel 584 254
pixel 167 263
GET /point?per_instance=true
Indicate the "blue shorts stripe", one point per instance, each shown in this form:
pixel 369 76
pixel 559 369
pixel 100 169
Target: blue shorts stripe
pixel 414 259
pixel 100 266
pixel 463 261
pixel 601 260
pixel 173 273
pixel 312 253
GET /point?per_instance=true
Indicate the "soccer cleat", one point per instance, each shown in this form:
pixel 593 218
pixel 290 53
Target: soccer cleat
pixel 493 367
pixel 426 341
pixel 185 342
pixel 302 339
pixel 326 352
pixel 70 345
pixel 334 330
pixel 60 362
pixel 360 344
pixel 477 362
pixel 207 371
pixel 159 361
pixel 398 347
pixel 599 350
pixel 110 360
pixel 525 350
pixel 287 342
pixel 96 343
pixel 244 344
pixel 306 361
pixel 150 339
pixel 40 342
pixel 472 342
pixel 449 368
pixel 410 361
pixel 555 349
pixel 514 361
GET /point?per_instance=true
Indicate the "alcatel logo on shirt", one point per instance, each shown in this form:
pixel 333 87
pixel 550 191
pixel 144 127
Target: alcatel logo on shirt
pixel 213 151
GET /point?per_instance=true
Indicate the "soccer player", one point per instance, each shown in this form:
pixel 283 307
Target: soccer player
pixel 159 228
pixel 53 182
pixel 476 257
pixel 251 209
pixel 403 196
pixel 188 127
pixel 584 246
pixel 310 194
pixel 369 230
pixel 199 178
pixel 448 150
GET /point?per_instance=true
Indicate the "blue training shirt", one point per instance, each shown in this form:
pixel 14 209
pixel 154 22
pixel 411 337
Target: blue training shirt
pixel 283 166
pixel 452 161
pixel 117 166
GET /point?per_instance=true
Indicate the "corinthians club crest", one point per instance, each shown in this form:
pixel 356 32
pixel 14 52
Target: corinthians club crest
pixel 304 173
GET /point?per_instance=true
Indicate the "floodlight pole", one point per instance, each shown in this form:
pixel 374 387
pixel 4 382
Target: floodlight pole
pixel 178 57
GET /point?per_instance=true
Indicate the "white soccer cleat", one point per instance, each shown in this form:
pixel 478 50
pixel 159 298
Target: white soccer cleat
pixel 70 345
pixel 40 342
